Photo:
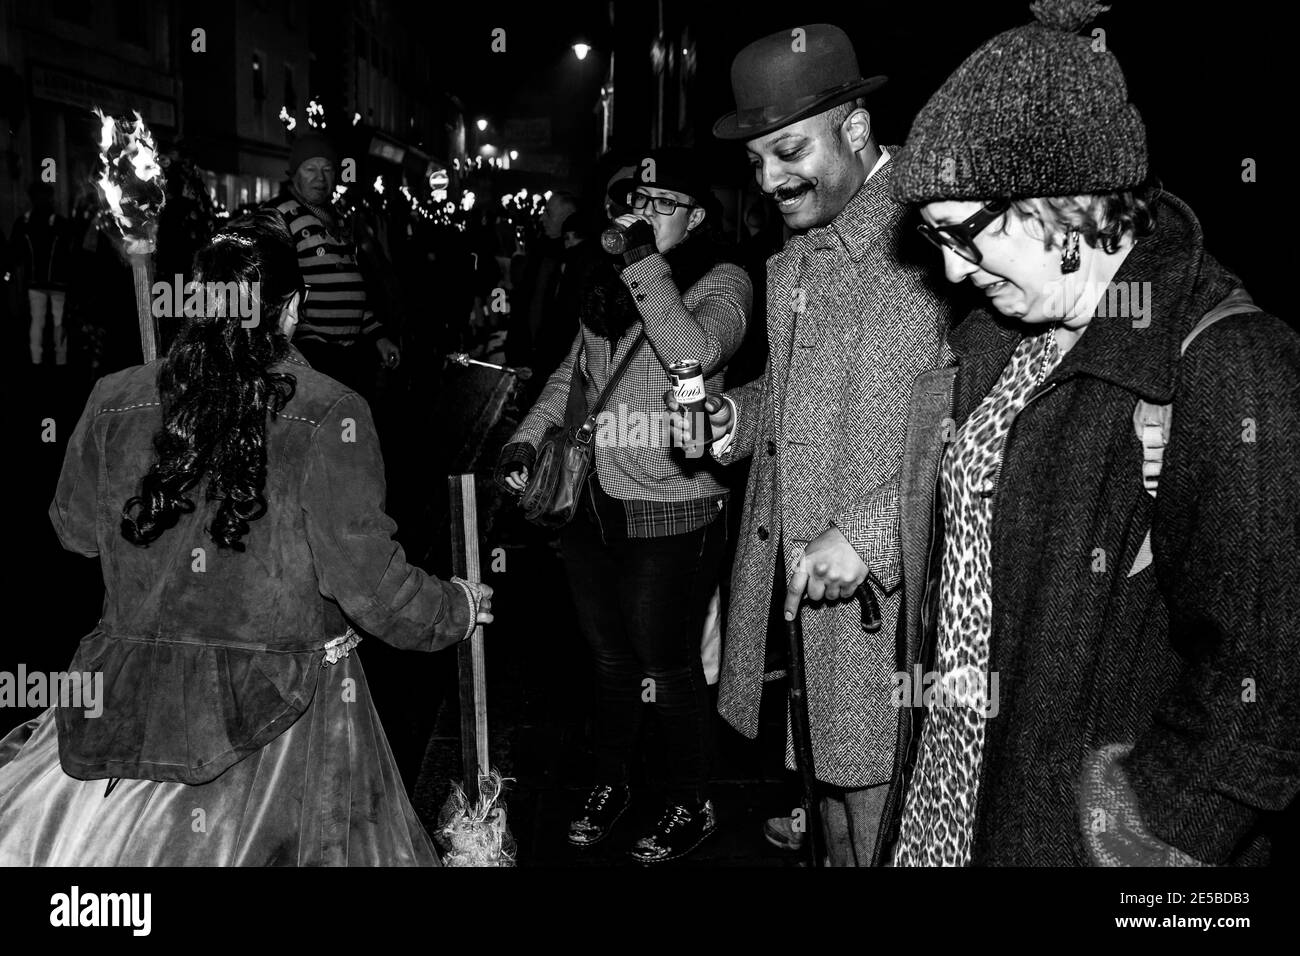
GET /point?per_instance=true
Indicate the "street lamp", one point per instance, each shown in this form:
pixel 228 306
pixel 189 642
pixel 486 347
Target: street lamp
pixel 581 49
pixel 514 154
pixel 482 125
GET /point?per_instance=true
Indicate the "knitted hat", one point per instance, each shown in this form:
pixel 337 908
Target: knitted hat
pixel 308 146
pixel 1036 111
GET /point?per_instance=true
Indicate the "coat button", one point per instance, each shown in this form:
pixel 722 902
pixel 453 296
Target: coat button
pixel 762 533
pixel 640 298
pixel 635 283
pixel 771 448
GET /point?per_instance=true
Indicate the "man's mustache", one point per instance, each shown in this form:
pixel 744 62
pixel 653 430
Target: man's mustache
pixel 784 193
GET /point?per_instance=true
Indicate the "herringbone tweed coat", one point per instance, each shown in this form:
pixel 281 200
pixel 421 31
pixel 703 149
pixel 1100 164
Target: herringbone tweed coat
pixel 854 316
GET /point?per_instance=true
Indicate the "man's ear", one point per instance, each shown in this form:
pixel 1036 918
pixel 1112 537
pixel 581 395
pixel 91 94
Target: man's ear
pixel 858 127
pixel 698 216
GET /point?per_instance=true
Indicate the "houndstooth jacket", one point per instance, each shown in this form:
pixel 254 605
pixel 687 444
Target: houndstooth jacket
pixel 852 320
pixel 707 323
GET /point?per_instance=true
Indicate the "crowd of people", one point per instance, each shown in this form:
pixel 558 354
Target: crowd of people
pixel 1013 651
pixel 1040 551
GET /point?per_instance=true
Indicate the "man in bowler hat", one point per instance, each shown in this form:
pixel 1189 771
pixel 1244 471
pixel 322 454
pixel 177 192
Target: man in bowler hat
pixel 850 325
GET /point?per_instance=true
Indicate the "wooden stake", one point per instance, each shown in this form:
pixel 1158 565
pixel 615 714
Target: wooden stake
pixel 142 274
pixel 473 671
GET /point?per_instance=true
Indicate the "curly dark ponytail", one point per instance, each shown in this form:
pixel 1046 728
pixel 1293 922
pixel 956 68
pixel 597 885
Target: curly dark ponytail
pixel 216 388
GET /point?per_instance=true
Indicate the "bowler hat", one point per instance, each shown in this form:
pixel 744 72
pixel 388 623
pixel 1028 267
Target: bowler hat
pixel 791 75
pixel 670 167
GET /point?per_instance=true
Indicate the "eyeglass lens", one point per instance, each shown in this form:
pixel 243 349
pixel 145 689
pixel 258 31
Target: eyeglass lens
pixel 662 204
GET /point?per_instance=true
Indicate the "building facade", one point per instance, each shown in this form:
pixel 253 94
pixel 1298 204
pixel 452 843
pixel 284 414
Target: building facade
pixel 60 58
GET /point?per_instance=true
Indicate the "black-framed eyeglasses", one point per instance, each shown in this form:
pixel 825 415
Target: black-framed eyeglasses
pixel 960 237
pixel 662 204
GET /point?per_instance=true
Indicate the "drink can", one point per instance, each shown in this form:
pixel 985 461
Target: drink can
pixel 688 388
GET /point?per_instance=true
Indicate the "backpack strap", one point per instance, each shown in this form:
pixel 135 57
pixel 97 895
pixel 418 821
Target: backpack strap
pixel 1152 422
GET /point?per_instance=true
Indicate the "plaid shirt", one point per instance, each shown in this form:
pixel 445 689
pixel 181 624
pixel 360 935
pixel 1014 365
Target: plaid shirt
pixel 634 458
pixel 630 518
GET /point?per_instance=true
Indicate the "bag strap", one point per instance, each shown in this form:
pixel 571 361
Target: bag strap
pixel 1236 302
pixel 583 433
pixel 1153 421
pixel 575 411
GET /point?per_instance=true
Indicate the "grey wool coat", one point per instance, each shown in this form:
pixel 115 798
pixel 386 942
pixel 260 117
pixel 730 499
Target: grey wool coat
pixel 854 316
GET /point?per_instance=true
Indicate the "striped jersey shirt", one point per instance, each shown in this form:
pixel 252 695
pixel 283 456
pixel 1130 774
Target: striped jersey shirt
pixel 336 310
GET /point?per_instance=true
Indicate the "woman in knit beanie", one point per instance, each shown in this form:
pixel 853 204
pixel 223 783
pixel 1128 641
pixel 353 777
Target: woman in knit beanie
pixel 1114 634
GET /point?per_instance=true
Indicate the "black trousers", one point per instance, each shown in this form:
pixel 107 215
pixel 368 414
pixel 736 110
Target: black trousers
pixel 641 605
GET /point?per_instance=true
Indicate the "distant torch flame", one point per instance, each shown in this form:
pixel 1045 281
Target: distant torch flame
pixel 132 181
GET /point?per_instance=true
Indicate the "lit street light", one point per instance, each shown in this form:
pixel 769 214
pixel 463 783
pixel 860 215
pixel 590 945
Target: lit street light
pixel 581 49
pixel 482 125
pixel 514 154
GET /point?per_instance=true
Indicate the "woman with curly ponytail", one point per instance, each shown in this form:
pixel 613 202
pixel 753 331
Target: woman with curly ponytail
pixel 217 390
pixel 234 498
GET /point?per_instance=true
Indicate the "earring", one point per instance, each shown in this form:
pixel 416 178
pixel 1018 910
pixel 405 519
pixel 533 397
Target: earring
pixel 1070 256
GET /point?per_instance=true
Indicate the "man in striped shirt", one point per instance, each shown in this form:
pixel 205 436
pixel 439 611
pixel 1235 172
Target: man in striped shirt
pixel 336 326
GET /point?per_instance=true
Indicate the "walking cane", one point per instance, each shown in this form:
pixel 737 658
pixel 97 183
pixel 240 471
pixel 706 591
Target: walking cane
pixel 802 740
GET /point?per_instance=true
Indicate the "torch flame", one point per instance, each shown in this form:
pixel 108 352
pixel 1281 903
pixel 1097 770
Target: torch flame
pixel 132 180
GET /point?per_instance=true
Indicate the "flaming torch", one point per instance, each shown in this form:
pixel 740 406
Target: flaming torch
pixel 132 187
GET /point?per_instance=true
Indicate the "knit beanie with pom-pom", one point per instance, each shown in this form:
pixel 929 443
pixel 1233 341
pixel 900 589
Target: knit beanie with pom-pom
pixel 1040 110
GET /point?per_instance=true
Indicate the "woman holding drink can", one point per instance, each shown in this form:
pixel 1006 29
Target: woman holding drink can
pixel 644 552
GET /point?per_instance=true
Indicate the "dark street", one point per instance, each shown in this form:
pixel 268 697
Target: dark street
pixel 928 372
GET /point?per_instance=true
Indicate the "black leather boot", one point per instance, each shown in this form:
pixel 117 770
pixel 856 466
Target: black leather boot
pixel 679 831
pixel 604 805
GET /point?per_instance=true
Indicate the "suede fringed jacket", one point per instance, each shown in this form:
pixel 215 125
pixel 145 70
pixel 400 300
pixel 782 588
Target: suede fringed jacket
pixel 208 654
